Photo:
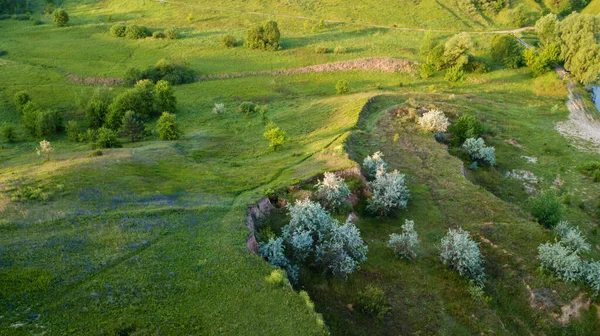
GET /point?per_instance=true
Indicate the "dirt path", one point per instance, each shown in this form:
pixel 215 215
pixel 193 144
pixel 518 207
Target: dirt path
pixel 217 9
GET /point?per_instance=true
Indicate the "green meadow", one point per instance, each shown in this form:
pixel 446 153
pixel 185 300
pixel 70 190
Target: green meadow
pixel 150 238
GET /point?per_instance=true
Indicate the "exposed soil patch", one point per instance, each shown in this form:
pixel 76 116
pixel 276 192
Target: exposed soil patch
pixel 573 309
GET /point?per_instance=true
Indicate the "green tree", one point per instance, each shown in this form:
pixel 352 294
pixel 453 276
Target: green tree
pixel 264 37
pixel 465 127
pixel 74 131
pixel 48 123
pixel 427 45
pixel 22 98
pixel 8 133
pixel 275 135
pixel 30 116
pixel 546 60
pixel 547 29
pixel 579 48
pixel 507 50
pixel 131 126
pixel 95 112
pixel 341 87
pixel 167 127
pixel 547 208
pixel 61 18
pixel 455 75
pixel 107 138
pixel 165 99
pixel 455 50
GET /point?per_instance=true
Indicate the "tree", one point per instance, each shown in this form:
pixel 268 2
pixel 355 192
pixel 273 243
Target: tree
pixel 8 133
pixel 107 138
pixel 167 127
pixel 374 163
pixel 47 123
pixel 228 41
pixel 22 98
pixel 264 37
pixel 579 48
pixel 135 32
pixel 343 252
pixel 507 50
pixel 275 135
pixel 165 99
pixel 465 127
pixel 455 50
pixel 546 60
pixel 455 75
pixel 332 191
pixel 131 126
pixel 406 243
pixel 547 29
pixel 462 254
pixel 389 193
pixel 140 99
pixel 547 208
pixel 341 87
pixel 30 116
pixel 563 261
pixel 74 131
pixel 171 34
pixel 118 30
pixel 61 18
pixel 477 151
pixel 96 110
pixel 572 237
pixel 45 149
pixel 427 45
pixel 434 121
pixel 274 252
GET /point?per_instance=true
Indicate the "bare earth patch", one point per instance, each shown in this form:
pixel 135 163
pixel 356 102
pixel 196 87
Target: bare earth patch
pixel 573 309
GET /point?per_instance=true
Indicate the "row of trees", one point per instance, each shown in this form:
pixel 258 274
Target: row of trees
pixel 135 32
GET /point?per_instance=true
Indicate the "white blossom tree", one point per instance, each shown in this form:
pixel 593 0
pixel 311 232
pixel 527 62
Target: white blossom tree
pixel 332 191
pixel 461 253
pixel 374 163
pixel 45 149
pixel 406 243
pixel 434 121
pixel 389 193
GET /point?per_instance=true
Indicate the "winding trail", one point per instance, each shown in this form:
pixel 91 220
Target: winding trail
pixel 368 25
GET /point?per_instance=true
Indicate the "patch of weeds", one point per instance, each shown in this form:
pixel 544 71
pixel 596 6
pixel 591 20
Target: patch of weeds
pixel 591 169
pixel 372 302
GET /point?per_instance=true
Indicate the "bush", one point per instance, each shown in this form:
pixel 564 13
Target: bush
pixel 341 87
pixel 45 149
pixel 462 254
pixel 61 18
pixel 434 121
pixel 96 110
pixel 563 261
pixel 505 49
pixel 374 163
pixel 22 98
pixel 167 127
pixel 465 127
pixel 343 251
pixel 264 37
pixel 247 107
pixel 277 278
pixel 228 41
pixel 591 275
pixel 30 115
pixel 275 135
pixel 158 35
pixel 219 109
pixel 107 138
pixel 332 191
pixel 405 245
pixel 427 70
pixel 48 123
pixel 455 51
pixel 372 302
pixel 477 151
pixel 8 133
pixel 135 32
pixel 389 193
pixel 339 50
pixel 321 50
pixel 455 75
pixel 591 169
pixel 96 153
pixel 547 209
pixel 274 252
pixel 118 30
pixel 572 237
pixel 74 131
pixel 476 66
pixel 162 70
pixel 164 97
pixel 171 34
pixel 49 8
pixel 21 17
pixel 132 126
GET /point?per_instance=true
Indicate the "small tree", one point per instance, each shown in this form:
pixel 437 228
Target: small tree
pixel 547 208
pixel 167 127
pixel 462 254
pixel 47 123
pixel 389 193
pixel 135 32
pixel 572 237
pixel 465 127
pixel 563 261
pixel 455 75
pixel 8 133
pixel 374 163
pixel 507 50
pixel 165 98
pixel 264 37
pixel 405 245
pixel 45 149
pixel 30 116
pixel 95 112
pixel 74 131
pixel 190 18
pixel 341 87
pixel 455 50
pixel 118 30
pixel 131 126
pixel 332 191
pixel 219 109
pixel 434 121
pixel 343 252
pixel 228 41
pixel 591 275
pixel 61 18
pixel 107 138
pixel 22 98
pixel 478 151
pixel 171 34
pixel 275 135
pixel 274 252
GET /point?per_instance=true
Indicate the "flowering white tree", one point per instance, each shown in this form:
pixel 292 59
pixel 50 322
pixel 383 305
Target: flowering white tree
pixel 478 151
pixel 591 274
pixel 561 260
pixel 572 237
pixel 45 149
pixel 274 252
pixel 373 164
pixel 389 193
pixel 332 191
pixel 405 244
pixel 219 109
pixel 462 254
pixel 434 120
pixel 343 252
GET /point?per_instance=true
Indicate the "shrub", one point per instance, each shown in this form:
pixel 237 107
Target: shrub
pixel 132 76
pixel 372 302
pixel 505 49
pixel 131 126
pixel 49 8
pixel 478 294
pixel 95 111
pixel 171 34
pixel 455 51
pixel 405 245
pixel 164 97
pixel 135 32
pixel 140 100
pixel 219 109
pixel 465 127
pixel 118 30
pixel 389 193
pixel 563 261
pixel 61 18
pixel 21 17
pixel 167 127
pixel 158 35
pixel 343 251
pixel 29 193
pixel 277 278
pixel 546 208
pixel 455 75
pixel 48 123
pixel 374 163
pixel 162 70
pixel 274 252
pixel 591 169
pixel 427 70
pixel 107 138
pixel 476 66
pixel 264 37
pixel 321 50
pixel 74 131
pixel 275 135
pixel 434 121
pixel 339 50
pixel 30 116
pixel 247 107
pixel 96 153
pixel 45 149
pixel 8 133
pixel 341 87
pixel 22 98
pixel 228 41
pixel 572 237
pixel 462 254
pixel 591 275
pixel 332 191
pixel 477 151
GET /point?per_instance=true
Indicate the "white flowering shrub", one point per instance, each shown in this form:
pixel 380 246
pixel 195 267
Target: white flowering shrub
pixel 434 121
pixel 560 259
pixel 389 193
pixel 572 237
pixel 332 191
pixel 461 253
pixel 374 163
pixel 219 109
pixel 591 275
pixel 478 151
pixel 343 252
pixel 45 149
pixel 405 245
pixel 274 252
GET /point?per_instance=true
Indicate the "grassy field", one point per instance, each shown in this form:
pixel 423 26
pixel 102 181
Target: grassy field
pixel 150 238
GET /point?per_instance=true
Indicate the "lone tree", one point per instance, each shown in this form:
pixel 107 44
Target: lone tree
pixel 264 37
pixel 167 127
pixel 45 149
pixel 61 18
pixel 131 126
